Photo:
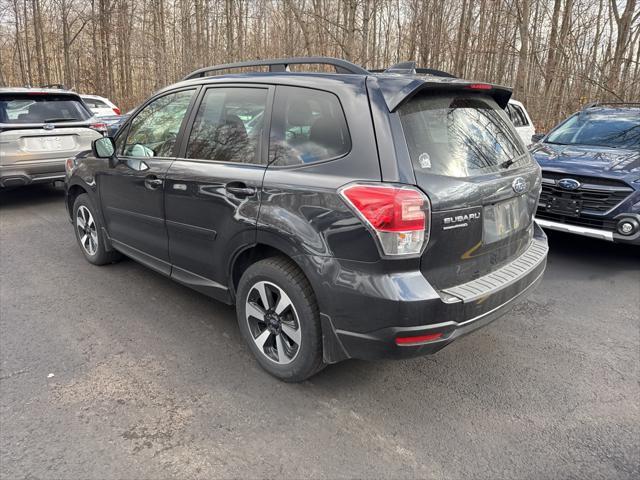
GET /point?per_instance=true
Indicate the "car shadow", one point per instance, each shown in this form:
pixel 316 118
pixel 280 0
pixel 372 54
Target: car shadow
pixel 31 195
pixel 592 252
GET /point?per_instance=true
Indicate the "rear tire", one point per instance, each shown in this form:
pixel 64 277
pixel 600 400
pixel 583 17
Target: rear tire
pixel 279 319
pixel 88 230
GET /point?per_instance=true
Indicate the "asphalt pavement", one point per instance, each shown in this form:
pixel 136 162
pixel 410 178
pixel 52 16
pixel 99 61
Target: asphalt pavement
pixel 116 372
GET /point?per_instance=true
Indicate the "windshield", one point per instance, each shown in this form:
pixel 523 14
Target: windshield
pixel 41 108
pixel 460 135
pixel 616 130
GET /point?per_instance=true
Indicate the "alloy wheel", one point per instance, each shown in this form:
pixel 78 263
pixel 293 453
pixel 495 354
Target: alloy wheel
pixel 273 322
pixel 87 232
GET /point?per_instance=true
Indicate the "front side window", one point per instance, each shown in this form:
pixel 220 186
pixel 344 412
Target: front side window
pixel 619 130
pixel 460 135
pixel 307 126
pixel 229 125
pixel 153 132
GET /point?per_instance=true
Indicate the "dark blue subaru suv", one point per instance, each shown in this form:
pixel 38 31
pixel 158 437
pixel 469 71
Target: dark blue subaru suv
pixel 591 173
pixel 345 214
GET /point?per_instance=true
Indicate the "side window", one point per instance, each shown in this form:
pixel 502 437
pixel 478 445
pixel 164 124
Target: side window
pixel 521 115
pixel 307 126
pixel 516 116
pixel 153 132
pixel 229 125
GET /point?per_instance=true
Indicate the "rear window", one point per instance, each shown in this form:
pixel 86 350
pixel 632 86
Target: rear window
pixel 38 108
pixel 460 135
pixel 95 103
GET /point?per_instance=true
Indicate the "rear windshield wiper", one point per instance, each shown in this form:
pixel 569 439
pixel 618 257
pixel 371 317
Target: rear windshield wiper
pixel 54 120
pixel 508 163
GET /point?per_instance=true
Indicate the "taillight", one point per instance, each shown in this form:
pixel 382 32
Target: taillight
pixel 99 127
pixel 116 110
pixel 399 215
pixel 69 164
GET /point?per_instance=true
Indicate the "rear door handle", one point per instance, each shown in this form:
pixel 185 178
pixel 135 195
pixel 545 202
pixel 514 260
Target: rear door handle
pixel 239 189
pixel 152 182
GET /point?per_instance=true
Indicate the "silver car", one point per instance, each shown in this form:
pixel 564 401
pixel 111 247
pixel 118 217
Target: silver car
pixel 39 129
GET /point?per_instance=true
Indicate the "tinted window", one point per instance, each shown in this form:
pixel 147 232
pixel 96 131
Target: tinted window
pixel 460 135
pixel 516 115
pixel 229 125
pixel 95 103
pixel 41 108
pixel 307 126
pixel 154 130
pixel 618 130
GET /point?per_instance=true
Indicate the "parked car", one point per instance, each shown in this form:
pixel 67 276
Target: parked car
pixel 361 216
pixel 591 174
pixel 100 106
pixel 114 122
pixel 39 129
pixel 521 120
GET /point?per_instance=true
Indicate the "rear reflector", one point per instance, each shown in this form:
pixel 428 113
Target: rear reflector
pixel 399 215
pixel 418 339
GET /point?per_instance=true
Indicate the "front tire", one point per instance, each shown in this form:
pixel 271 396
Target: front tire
pixel 89 232
pixel 279 319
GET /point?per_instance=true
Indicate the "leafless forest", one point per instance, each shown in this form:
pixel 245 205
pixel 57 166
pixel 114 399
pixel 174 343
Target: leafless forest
pixel 557 54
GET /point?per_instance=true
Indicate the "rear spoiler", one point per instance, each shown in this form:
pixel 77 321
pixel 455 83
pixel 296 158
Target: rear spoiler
pixel 398 89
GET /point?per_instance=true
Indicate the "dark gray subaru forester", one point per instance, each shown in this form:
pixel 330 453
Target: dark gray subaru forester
pixel 347 215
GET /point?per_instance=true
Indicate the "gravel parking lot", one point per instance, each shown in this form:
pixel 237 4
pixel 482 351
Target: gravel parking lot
pixel 117 372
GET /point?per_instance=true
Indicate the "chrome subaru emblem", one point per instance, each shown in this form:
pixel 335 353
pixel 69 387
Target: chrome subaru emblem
pixel 568 184
pixel 48 126
pixel 519 185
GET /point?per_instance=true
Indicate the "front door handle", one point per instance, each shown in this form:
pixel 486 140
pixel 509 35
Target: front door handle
pixel 239 189
pixel 152 182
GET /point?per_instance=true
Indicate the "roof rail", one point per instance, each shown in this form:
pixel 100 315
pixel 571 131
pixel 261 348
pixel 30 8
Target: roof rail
pixel 612 104
pixel 282 65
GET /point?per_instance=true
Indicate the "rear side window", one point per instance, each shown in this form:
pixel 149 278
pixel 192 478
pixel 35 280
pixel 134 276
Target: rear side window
pixel 460 135
pixel 516 115
pixel 229 125
pixel 41 108
pixel 307 126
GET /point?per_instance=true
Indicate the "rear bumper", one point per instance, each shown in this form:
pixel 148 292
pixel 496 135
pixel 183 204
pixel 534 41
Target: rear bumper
pixel 449 314
pixel 16 175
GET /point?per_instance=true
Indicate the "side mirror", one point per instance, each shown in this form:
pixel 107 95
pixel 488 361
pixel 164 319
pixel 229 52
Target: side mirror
pixel 537 137
pixel 104 147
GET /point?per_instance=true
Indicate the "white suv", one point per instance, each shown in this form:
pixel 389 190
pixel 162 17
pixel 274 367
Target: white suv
pixel 40 129
pixel 521 120
pixel 100 106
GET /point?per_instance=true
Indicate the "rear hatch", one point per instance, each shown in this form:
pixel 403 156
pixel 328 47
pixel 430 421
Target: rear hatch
pixel 482 183
pixel 38 127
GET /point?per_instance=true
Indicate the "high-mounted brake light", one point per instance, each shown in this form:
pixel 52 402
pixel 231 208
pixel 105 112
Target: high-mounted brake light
pixel 399 215
pixel 116 110
pixel 479 86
